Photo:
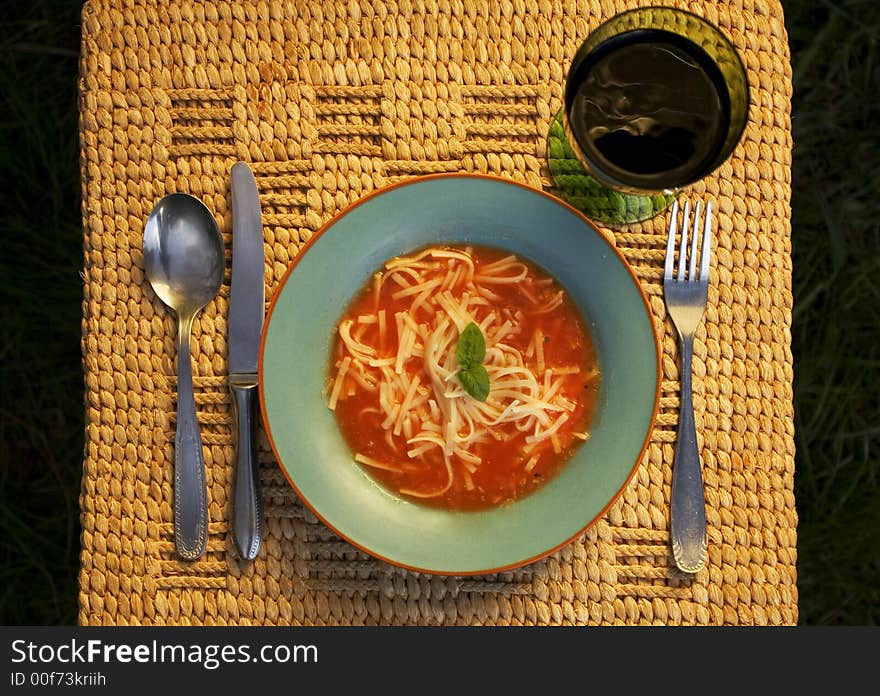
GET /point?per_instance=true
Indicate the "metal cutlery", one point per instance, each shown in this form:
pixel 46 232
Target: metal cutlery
pixel 184 260
pixel 246 309
pixel 685 293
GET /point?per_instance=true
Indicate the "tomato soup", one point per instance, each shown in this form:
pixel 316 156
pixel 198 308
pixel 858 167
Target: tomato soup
pixel 462 377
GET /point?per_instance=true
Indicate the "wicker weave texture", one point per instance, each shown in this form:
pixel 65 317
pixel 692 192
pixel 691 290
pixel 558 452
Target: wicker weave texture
pixel 327 102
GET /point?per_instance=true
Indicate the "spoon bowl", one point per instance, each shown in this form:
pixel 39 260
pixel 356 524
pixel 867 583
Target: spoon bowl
pixel 184 261
pixel 183 253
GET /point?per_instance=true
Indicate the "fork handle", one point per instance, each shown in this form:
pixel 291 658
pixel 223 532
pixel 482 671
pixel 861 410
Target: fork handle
pixel 688 507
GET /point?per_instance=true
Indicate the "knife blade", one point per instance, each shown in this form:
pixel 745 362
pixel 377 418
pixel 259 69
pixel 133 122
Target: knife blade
pixel 246 308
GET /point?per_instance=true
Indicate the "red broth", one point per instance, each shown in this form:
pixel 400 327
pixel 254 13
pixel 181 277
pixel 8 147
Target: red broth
pixel 506 461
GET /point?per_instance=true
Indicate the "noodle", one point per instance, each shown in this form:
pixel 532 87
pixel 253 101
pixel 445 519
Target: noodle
pixel 404 373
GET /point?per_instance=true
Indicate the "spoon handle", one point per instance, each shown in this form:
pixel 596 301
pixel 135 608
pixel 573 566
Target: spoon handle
pixel 190 490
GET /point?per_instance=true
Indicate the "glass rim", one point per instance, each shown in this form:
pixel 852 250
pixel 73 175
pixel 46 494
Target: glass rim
pixel 735 130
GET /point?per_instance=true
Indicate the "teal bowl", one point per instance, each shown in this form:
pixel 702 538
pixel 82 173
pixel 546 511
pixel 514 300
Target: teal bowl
pixel 334 266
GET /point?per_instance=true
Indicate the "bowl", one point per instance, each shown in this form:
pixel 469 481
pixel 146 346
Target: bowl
pixel 330 270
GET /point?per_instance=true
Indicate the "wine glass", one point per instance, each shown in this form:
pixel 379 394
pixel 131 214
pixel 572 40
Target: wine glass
pixel 655 99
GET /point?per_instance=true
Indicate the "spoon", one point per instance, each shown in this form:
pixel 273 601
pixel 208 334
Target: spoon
pixel 184 261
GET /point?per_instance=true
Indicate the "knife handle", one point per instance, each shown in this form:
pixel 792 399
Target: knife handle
pixel 247 523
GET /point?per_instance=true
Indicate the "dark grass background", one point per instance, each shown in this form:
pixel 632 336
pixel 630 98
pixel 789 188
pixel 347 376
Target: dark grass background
pixel 835 336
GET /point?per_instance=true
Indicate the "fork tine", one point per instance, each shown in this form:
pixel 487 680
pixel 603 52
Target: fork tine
pixel 682 255
pixel 670 243
pixel 706 252
pixel 692 269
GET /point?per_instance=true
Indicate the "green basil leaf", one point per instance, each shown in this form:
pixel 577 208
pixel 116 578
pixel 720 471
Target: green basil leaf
pixel 475 381
pixel 471 348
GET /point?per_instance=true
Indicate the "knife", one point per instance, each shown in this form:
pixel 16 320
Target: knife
pixel 246 306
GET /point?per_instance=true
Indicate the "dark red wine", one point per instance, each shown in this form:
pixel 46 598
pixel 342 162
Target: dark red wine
pixel 649 109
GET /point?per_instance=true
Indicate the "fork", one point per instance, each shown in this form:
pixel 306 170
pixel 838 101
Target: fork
pixel 685 294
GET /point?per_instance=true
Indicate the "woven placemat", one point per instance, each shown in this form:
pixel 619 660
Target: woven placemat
pixel 327 102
